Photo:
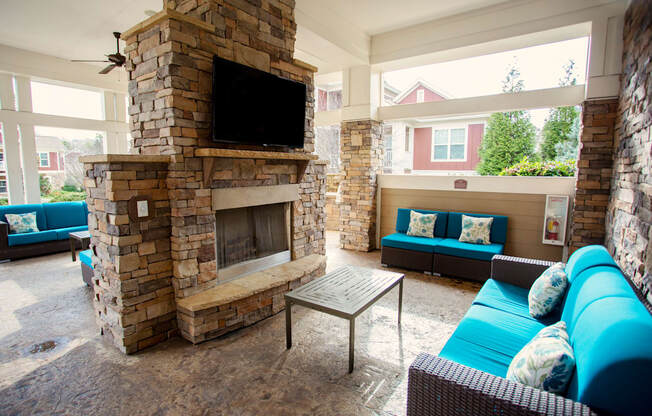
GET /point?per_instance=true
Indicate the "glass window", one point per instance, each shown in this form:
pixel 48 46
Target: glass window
pixel 44 160
pixel 542 66
pixel 407 138
pixel 449 144
pixel 2 159
pixel 387 139
pixel 327 146
pixel 3 186
pixel 334 99
pixel 66 101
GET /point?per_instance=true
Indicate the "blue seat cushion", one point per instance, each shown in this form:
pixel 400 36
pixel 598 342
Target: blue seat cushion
pixel 31 238
pixel 613 357
pixel 63 233
pixel 498 226
pixel 453 247
pixel 409 242
pixel 65 214
pixel 509 298
pixel 487 339
pixel 590 286
pixel 403 220
pixel 587 257
pixel 85 257
pixel 41 221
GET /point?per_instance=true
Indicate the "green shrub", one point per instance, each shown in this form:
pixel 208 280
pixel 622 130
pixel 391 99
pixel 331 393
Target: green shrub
pixel 4 201
pixel 547 168
pixel 63 196
pixel 44 184
pixel 71 188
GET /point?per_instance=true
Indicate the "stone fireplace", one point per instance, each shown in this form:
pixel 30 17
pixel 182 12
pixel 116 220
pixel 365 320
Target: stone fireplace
pixel 178 270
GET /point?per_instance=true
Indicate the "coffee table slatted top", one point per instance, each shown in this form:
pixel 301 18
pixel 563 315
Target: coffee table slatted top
pixel 347 291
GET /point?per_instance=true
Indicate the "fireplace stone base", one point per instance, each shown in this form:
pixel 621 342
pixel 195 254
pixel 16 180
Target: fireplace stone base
pixel 244 301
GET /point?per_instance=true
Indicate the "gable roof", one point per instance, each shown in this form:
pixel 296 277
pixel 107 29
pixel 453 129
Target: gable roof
pixel 424 84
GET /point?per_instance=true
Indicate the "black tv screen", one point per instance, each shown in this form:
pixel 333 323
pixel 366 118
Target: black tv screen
pixel 255 107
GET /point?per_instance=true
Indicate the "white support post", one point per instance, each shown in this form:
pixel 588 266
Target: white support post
pixel 114 110
pixel 28 143
pixel 361 93
pixel 10 139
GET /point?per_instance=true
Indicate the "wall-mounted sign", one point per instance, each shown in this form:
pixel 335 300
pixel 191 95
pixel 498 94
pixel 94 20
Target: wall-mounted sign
pixel 555 220
pixel 460 184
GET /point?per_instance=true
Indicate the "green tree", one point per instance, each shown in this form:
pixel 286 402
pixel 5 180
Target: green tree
pixel 560 129
pixel 509 137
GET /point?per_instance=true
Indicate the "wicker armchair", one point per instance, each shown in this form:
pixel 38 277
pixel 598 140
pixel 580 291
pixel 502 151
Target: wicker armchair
pixel 437 386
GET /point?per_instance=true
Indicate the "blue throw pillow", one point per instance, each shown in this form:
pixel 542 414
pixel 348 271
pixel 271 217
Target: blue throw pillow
pixel 547 291
pixel 546 362
pixel 22 223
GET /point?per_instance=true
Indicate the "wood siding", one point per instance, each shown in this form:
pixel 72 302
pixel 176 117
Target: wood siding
pixel 525 213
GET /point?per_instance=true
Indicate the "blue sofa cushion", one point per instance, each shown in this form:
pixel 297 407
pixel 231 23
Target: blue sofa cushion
pixel 612 343
pixel 488 339
pixel 41 221
pixel 587 257
pixel 63 233
pixel 65 214
pixel 509 298
pixel 31 238
pixel 85 257
pixel 590 286
pixel 453 247
pixel 403 220
pixel 408 242
pixel 498 226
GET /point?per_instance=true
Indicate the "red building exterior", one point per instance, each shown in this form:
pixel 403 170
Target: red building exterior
pixel 423 148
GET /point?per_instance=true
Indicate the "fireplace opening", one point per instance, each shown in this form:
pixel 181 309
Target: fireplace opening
pixel 250 239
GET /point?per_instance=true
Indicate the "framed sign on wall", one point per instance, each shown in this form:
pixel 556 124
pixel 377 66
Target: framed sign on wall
pixel 555 220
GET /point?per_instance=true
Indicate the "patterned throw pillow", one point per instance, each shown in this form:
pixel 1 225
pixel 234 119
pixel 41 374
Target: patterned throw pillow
pixel 547 291
pixel 22 223
pixel 422 225
pixel 546 362
pixel 476 230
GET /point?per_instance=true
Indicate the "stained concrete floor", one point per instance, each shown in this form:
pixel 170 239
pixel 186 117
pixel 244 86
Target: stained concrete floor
pixel 248 372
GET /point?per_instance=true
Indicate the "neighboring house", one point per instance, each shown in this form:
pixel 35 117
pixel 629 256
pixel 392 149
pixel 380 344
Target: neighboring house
pixel 432 146
pixel 49 159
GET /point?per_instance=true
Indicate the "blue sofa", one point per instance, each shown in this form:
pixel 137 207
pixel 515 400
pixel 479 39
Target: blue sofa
pixel 443 254
pixel 55 222
pixel 609 327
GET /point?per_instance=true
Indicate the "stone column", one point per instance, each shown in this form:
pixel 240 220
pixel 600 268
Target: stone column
pixel 361 154
pixel 593 173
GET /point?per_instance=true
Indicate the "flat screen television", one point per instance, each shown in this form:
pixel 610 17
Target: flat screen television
pixel 254 107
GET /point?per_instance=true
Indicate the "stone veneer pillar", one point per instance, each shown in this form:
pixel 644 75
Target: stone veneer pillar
pixel 629 215
pixel 593 173
pixel 361 155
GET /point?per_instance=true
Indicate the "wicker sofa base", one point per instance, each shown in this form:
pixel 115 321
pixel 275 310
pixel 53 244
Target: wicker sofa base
pixel 407 259
pixel 478 270
pixel 87 274
pixel 37 249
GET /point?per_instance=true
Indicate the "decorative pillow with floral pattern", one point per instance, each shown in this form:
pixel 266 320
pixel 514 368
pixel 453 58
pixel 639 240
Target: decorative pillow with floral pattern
pixel 476 230
pixel 546 362
pixel 22 223
pixel 547 291
pixel 422 225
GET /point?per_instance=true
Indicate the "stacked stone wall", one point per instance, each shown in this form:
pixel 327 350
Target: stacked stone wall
pixel 629 217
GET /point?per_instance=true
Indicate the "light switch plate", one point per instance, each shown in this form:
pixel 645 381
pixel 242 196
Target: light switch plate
pixel 142 208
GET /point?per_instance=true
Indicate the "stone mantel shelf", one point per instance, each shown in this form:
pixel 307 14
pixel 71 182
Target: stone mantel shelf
pixel 253 154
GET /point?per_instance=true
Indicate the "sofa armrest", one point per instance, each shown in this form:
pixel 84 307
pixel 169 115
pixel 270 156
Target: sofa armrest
pixel 4 235
pixel 437 386
pixel 518 271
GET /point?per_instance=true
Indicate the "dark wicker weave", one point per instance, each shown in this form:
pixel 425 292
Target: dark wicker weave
pixel 437 386
pixel 517 271
pixel 406 259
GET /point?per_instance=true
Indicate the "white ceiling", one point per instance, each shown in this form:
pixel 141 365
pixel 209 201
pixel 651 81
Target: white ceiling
pixel 70 29
pixel 379 16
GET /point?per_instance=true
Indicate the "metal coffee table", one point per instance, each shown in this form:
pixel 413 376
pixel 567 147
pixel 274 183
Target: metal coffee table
pixel 345 292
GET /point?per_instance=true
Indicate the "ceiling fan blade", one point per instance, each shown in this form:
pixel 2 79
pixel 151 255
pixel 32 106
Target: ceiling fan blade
pixel 88 60
pixel 107 69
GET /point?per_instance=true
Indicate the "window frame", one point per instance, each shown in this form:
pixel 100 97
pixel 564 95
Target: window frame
pixel 40 159
pixel 421 95
pixel 449 127
pixel 6 190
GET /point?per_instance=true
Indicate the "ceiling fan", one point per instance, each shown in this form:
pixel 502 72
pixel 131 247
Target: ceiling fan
pixel 117 59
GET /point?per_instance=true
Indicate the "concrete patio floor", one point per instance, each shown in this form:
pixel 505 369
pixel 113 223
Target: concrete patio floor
pixel 248 372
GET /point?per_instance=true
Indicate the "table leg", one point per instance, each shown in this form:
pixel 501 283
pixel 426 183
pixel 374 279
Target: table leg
pixel 73 249
pixel 351 342
pixel 288 324
pixel 400 300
